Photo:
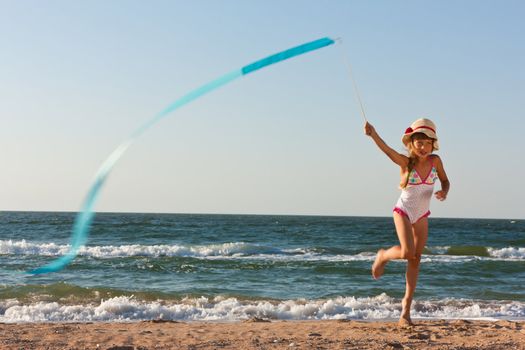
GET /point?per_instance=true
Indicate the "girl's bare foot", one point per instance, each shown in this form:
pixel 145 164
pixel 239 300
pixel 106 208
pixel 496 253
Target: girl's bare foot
pixel 405 322
pixel 378 268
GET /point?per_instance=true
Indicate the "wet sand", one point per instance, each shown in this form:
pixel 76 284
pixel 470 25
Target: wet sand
pixel 259 334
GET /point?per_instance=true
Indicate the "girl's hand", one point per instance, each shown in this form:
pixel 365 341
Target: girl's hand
pixel 441 195
pixel 369 129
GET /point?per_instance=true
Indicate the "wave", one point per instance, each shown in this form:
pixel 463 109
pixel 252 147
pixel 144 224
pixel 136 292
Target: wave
pixel 9 247
pixel 129 308
pixel 507 253
pixel 67 293
pixel 241 250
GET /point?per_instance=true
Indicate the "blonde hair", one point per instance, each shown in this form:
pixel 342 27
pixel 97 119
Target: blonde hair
pixel 412 157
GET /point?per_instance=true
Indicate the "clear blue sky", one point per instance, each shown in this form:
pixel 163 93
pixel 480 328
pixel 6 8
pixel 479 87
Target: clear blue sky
pixel 77 77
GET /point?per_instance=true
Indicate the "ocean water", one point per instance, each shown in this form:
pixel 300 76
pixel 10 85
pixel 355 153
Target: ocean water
pixel 234 267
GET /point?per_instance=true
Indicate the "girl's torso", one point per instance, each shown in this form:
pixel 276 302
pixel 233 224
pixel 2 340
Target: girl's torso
pixel 414 201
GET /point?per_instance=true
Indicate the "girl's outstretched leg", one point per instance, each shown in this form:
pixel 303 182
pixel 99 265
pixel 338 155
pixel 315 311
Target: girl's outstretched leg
pixel 420 231
pixel 405 250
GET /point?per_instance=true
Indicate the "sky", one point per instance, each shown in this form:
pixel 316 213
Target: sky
pixel 78 77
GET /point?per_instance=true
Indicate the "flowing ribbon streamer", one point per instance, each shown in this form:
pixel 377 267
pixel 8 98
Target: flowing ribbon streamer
pixel 85 217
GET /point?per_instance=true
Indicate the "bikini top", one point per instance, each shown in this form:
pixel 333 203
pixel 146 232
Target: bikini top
pixel 415 179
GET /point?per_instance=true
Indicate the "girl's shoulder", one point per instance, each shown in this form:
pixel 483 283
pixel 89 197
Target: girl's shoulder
pixel 437 162
pixel 434 158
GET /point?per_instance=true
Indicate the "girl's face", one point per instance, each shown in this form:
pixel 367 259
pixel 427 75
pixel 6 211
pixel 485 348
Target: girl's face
pixel 422 147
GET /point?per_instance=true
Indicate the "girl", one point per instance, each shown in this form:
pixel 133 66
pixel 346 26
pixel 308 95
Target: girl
pixel 419 171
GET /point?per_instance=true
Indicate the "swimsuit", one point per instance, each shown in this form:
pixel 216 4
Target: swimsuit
pixel 414 201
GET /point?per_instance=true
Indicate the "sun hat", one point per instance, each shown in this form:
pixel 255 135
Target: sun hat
pixel 424 126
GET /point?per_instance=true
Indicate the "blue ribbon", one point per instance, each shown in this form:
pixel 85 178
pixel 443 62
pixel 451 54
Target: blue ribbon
pixel 85 217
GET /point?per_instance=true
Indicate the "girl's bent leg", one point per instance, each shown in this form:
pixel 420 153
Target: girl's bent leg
pixel 405 234
pixel 378 268
pixel 405 250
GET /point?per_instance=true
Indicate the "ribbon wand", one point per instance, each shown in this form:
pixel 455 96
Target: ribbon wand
pixel 356 90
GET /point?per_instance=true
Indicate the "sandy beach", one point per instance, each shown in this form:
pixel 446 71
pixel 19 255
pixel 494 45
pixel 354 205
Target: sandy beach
pixel 258 334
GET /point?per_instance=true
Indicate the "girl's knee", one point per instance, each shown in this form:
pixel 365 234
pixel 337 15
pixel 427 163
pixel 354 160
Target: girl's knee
pixel 416 259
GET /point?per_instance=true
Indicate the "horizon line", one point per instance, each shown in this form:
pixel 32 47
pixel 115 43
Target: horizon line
pixel 251 214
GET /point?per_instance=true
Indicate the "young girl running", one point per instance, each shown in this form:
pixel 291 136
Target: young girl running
pixel 419 171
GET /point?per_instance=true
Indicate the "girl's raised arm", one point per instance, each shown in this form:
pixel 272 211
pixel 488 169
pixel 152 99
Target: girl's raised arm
pixel 395 156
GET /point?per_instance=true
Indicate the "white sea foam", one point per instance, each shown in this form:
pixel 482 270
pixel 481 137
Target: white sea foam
pixel 439 249
pixel 234 250
pixel 10 247
pixel 500 254
pixel 231 309
pixel 508 253
pixel 237 250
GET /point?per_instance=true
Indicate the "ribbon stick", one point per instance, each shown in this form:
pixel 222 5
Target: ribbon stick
pixel 85 217
pixel 354 83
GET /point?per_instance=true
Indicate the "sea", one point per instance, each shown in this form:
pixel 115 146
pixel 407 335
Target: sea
pixel 200 267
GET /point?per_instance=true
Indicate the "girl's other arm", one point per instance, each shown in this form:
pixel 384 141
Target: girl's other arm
pixel 396 157
pixel 445 184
